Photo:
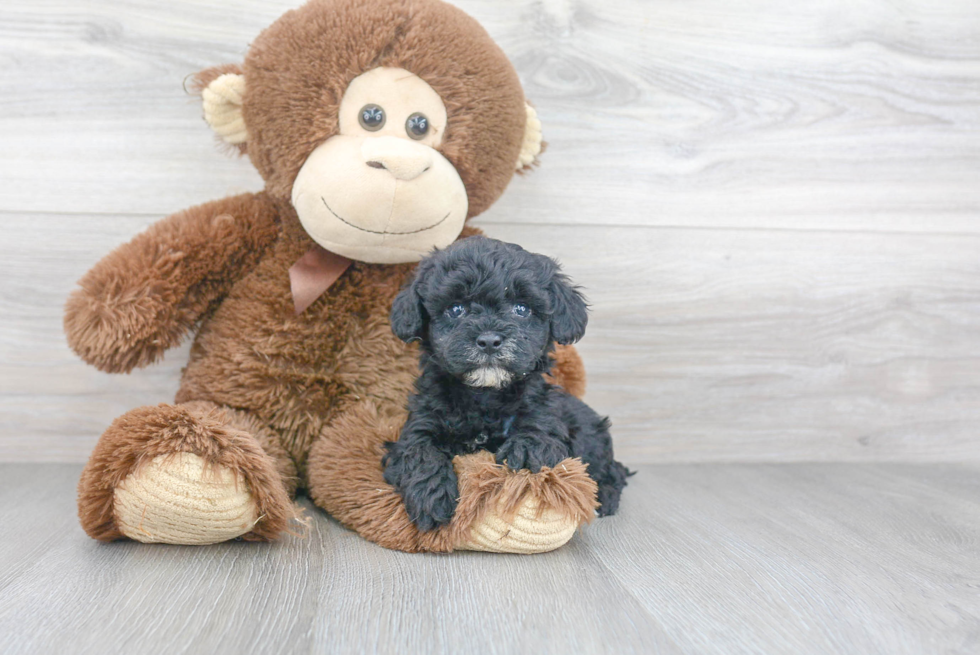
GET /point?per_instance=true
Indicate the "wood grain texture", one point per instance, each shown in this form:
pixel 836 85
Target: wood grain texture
pixel 741 345
pixel 773 206
pixel 828 114
pixel 701 559
pixel 760 345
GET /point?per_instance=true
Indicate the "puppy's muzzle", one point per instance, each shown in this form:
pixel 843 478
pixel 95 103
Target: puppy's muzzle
pixel 489 342
pixel 491 353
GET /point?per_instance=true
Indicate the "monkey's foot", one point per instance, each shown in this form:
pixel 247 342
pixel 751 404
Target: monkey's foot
pixel 520 511
pixel 177 499
pixel 499 510
pixel 181 474
pixel 528 530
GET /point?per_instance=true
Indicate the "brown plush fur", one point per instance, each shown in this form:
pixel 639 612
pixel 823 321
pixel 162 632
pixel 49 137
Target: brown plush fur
pixel 298 69
pixel 569 371
pixel 316 394
pixel 146 295
pixel 200 81
pixel 141 435
pixel 352 488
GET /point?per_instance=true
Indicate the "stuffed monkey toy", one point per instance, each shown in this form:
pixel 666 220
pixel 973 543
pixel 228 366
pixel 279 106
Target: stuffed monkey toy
pixel 379 127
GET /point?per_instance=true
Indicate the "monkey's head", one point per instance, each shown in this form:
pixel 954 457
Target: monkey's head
pixel 386 123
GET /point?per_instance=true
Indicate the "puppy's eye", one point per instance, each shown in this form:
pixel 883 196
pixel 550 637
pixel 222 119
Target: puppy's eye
pixel 456 311
pixel 522 310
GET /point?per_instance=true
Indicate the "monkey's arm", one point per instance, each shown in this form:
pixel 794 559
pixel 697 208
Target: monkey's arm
pixel 568 371
pixel 144 296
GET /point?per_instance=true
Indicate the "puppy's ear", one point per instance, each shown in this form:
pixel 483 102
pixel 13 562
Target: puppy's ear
pixel 407 314
pixel 569 314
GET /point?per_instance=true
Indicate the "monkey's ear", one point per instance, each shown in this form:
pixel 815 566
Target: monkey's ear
pixel 407 317
pixel 533 144
pixel 569 313
pixel 222 89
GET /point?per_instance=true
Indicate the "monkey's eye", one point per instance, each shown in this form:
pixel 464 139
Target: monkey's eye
pixel 522 310
pixel 456 311
pixel 371 117
pixel 417 126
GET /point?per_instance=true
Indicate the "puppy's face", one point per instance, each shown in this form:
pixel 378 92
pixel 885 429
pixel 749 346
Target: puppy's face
pixel 487 332
pixel 487 311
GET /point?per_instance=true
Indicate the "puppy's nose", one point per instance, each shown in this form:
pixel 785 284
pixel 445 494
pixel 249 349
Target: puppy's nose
pixel 404 159
pixel 489 342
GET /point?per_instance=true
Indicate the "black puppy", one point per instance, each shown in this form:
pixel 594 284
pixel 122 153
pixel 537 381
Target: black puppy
pixel 487 314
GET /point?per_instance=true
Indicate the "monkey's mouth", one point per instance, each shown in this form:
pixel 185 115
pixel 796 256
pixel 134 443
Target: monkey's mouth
pixel 364 229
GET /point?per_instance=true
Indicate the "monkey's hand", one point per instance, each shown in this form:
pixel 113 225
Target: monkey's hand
pixel 145 296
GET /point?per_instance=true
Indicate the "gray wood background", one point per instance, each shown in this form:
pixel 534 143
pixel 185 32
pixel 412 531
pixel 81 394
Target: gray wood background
pixel 715 559
pixel 775 208
pixel 773 205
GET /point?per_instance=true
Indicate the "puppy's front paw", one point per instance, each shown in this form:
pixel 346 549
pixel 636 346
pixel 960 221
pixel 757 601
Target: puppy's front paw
pixel 430 506
pixel 527 453
pixel 426 482
pixel 434 510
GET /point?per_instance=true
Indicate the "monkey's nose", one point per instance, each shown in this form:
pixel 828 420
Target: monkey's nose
pixel 489 342
pixel 402 158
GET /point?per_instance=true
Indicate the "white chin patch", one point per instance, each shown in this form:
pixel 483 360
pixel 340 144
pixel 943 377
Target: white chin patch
pixel 488 376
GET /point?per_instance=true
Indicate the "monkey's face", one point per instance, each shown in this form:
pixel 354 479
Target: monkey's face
pixel 380 191
pixel 385 124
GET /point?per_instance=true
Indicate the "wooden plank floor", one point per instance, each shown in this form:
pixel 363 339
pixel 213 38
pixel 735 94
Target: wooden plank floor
pixel 711 558
pixel 773 206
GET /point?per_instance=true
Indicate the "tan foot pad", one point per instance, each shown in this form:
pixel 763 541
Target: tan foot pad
pixel 528 532
pixel 174 500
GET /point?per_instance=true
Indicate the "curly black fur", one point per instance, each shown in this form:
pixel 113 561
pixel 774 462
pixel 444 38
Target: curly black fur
pixel 487 314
